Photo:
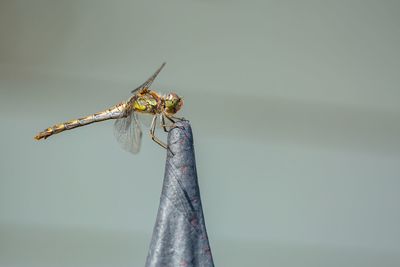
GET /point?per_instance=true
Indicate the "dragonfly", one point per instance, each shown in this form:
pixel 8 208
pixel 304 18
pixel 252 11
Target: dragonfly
pixel 127 127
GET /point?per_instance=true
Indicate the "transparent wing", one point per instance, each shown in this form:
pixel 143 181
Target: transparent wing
pixel 150 80
pixel 128 133
pixel 145 119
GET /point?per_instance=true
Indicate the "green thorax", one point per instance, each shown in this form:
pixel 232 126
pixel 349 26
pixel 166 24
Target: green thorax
pixel 146 103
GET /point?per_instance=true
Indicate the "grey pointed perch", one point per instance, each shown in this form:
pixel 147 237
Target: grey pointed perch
pixel 179 236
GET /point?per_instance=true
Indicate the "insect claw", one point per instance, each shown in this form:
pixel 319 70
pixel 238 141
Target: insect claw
pixel 169 149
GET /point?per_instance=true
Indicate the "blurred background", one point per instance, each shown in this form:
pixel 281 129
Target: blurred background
pixel 295 109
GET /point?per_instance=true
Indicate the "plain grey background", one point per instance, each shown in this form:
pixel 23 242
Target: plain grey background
pixel 294 107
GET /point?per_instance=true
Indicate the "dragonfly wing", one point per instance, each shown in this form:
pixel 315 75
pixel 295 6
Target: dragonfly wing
pixel 150 80
pixel 128 132
pixel 145 119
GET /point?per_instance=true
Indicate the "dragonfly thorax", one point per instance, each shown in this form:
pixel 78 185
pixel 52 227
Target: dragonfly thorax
pixel 147 103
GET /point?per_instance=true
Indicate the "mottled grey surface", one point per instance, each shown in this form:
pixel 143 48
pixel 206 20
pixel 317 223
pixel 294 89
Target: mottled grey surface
pixel 179 236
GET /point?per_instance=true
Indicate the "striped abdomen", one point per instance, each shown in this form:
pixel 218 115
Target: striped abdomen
pixel 115 112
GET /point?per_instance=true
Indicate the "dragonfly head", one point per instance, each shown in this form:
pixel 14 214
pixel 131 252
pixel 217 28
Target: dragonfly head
pixel 173 103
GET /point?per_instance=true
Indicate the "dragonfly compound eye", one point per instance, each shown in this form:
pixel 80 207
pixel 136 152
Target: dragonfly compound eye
pixel 173 103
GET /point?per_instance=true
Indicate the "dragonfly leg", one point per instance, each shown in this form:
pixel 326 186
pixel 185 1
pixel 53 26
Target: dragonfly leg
pixel 153 137
pixel 163 123
pixel 173 121
pixel 177 118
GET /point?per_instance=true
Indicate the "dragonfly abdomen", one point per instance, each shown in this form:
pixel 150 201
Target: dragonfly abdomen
pixel 115 112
